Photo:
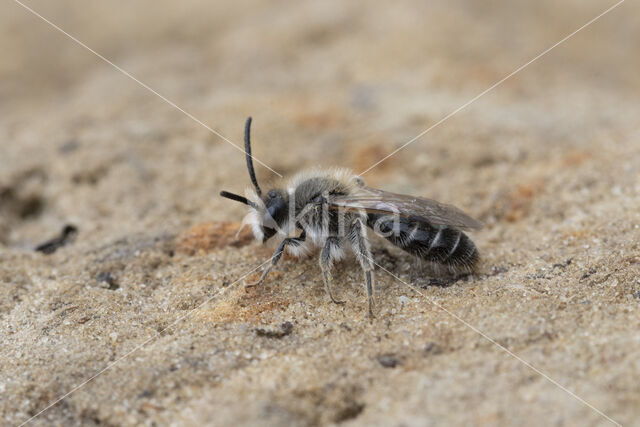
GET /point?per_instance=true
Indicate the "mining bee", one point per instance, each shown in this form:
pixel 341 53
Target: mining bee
pixel 332 208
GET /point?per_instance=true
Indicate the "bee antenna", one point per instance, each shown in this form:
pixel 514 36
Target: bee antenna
pixel 247 152
pixel 238 198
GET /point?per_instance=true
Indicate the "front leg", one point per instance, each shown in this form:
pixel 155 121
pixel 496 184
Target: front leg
pixel 277 255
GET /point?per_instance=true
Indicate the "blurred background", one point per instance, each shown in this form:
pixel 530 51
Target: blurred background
pixel 327 83
pixel 549 160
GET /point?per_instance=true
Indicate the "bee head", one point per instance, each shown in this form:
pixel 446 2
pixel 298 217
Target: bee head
pixel 268 212
pixel 275 213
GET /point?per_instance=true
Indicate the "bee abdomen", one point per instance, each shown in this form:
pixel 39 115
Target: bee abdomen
pixel 441 245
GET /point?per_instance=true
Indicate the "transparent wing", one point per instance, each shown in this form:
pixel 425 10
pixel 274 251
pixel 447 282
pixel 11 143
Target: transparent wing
pixel 418 208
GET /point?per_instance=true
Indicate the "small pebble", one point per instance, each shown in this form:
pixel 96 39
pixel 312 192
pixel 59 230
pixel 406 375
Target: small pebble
pixel 388 360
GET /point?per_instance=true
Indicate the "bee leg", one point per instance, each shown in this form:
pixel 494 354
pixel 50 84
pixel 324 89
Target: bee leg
pixel 360 245
pixel 326 262
pixel 276 257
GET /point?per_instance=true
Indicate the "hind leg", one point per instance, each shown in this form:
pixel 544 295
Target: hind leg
pixel 327 256
pixel 360 245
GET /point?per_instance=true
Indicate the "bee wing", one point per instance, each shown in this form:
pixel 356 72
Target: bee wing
pixel 421 209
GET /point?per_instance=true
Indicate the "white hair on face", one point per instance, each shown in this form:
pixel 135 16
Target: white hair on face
pixel 254 217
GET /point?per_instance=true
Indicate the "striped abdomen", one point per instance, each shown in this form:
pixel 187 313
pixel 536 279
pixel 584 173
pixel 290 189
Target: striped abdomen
pixel 441 245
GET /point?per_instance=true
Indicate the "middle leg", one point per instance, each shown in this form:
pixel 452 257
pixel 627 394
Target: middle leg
pixel 360 245
pixel 327 256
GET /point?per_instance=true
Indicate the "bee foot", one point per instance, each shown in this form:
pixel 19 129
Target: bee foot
pixel 248 286
pixel 335 301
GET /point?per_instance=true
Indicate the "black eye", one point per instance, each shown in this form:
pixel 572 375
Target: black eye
pixel 276 210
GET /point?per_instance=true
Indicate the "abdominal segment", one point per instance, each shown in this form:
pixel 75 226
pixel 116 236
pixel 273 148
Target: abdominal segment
pixel 437 244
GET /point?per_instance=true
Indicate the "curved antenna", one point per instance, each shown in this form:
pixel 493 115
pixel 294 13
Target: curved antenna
pixel 247 152
pixel 240 199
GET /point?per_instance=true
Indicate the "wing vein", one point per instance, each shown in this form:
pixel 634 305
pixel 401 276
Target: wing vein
pixel 373 200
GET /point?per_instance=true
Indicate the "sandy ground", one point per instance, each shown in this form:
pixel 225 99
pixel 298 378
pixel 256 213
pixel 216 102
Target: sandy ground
pixel 549 161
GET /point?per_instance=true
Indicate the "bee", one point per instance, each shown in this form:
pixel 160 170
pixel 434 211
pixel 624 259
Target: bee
pixel 331 210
